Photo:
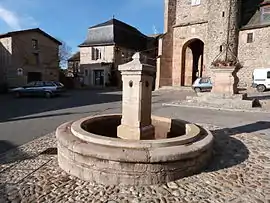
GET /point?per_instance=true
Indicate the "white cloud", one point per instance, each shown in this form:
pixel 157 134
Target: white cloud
pixel 10 18
pixel 16 20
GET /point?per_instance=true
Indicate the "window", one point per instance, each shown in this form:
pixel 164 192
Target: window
pixel 70 64
pixel 86 73
pixel 35 44
pixel 265 14
pixel 59 84
pixel 39 84
pixel 31 84
pixel 96 54
pixel 249 37
pixel 268 75
pixel 204 80
pixel 49 84
pixel 195 2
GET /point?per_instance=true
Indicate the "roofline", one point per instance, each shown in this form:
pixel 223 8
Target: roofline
pixel 124 23
pixel 156 36
pixel 97 44
pixel 9 34
pixel 251 27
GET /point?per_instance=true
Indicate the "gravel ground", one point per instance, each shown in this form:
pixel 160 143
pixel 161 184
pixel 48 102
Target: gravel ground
pixel 239 172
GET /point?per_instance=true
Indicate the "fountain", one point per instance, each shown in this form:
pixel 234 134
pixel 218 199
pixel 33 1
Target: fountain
pixel 134 148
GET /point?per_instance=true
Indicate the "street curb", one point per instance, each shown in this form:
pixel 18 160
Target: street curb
pixel 213 108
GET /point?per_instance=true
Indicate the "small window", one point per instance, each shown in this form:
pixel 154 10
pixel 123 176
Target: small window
pixel 96 54
pixel 249 37
pixel 86 73
pixel 59 84
pixel 39 84
pixel 195 2
pixel 204 80
pixel 49 84
pixel 31 84
pixel 35 44
pixel 268 75
pixel 220 48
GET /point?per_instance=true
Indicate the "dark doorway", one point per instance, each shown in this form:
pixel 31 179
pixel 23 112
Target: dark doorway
pixel 34 76
pixel 99 77
pixel 192 61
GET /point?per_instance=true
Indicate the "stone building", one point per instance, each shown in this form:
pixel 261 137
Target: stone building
pixel 109 45
pixel 197 32
pixel 28 55
pixel 74 65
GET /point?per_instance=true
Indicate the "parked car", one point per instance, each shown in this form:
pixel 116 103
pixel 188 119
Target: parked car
pixel 39 88
pixel 202 84
pixel 261 79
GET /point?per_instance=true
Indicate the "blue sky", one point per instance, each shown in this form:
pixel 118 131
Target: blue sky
pixel 68 20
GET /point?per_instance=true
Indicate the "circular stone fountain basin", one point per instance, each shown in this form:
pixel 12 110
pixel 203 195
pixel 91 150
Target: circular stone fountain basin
pixel 89 149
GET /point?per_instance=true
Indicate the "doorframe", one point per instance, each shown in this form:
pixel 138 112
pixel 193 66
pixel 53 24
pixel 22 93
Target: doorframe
pixel 183 61
pixel 94 77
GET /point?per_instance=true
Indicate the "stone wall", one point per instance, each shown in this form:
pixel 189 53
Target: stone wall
pixel 253 55
pixel 112 54
pixel 5 57
pixel 107 54
pixel 165 62
pixel 182 37
pixel 214 22
pixel 17 52
pixel 187 13
pixel 223 25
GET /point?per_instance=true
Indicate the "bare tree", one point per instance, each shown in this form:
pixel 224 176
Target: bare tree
pixel 64 53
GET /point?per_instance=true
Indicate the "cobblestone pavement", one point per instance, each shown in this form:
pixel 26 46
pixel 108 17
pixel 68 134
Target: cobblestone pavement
pixel 225 104
pixel 219 106
pixel 238 173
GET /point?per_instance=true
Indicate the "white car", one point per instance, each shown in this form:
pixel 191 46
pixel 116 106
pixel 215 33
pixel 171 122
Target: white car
pixel 261 79
pixel 202 84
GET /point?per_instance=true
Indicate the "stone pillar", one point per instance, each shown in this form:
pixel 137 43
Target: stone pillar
pixel 223 28
pixel 224 81
pixel 137 77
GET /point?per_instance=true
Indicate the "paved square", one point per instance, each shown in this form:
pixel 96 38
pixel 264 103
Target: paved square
pixel 30 173
pixel 238 173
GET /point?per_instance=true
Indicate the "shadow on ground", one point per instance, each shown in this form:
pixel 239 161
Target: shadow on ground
pixel 229 151
pixel 8 160
pixel 12 108
pixel 13 155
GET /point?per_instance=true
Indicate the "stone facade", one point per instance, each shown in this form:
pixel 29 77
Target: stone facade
pixel 253 55
pixel 197 32
pixel 18 54
pixel 5 57
pixel 73 69
pixel 109 58
pixel 109 45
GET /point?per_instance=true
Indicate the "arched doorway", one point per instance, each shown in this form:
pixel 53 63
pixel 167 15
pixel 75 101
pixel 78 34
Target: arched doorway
pixel 192 61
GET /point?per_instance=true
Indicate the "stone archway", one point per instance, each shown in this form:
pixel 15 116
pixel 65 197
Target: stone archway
pixel 192 61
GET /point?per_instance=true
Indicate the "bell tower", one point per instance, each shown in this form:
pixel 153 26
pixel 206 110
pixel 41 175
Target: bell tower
pixel 223 29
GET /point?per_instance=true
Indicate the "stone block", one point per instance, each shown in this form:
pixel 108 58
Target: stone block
pixel 131 133
pixel 224 81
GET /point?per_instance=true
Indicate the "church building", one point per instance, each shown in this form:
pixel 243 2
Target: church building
pixel 196 32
